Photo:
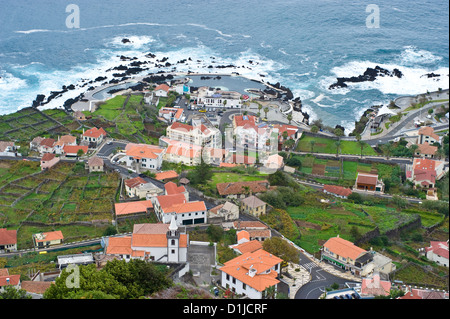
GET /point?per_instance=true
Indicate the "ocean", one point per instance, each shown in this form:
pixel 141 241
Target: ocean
pixel 305 45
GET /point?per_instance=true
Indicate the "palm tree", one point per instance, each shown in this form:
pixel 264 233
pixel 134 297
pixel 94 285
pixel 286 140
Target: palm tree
pixel 289 117
pixel 266 110
pixel 312 145
pixel 361 145
pixel 387 150
pixel 338 146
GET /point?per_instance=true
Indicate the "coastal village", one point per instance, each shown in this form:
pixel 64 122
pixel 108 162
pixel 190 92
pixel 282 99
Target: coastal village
pixel 231 195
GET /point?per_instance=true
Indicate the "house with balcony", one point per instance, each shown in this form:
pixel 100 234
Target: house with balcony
pixel 251 274
pixel 142 157
pixel 348 256
pixel 47 239
pixel 199 135
pixel 180 208
pixel 93 137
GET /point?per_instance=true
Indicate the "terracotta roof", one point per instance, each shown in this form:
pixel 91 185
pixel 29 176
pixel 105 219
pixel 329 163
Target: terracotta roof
pixel 338 190
pixel 439 248
pixel 163 87
pixel 259 261
pixel 241 120
pixel 181 127
pixel 67 139
pixel 95 132
pixel 50 236
pixel 253 201
pixel 265 233
pixel 238 187
pixel 343 248
pixel 4 145
pixel 132 207
pixel 424 175
pixel 119 246
pixel 36 287
pixel 144 151
pixel 172 188
pixel 47 157
pixel 182 151
pixel 95 161
pixel 368 179
pixel 374 286
pixel 248 247
pixel 14 280
pixel 242 234
pixel 133 182
pixel 428 131
pixel 425 163
pixel 8 237
pixel 73 149
pixel 427 149
pixel 48 142
pixel 157 228
pixel 166 175
pixel 155 240
pixel 166 201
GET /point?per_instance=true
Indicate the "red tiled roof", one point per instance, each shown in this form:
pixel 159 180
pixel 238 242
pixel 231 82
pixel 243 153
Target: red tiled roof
pixel 8 237
pixel 47 157
pixel 428 131
pixel 50 236
pixel 427 149
pixel 132 207
pixel 95 132
pixel 338 190
pixel 73 149
pixel 172 188
pixel 133 182
pixel 163 87
pixel 343 248
pixel 367 179
pixel 48 142
pixel 166 175
pixel 9 280
pixel 439 248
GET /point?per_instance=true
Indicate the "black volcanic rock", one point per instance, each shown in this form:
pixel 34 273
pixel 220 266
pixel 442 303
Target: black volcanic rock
pixel 38 101
pixel 431 75
pixel 125 40
pixel 369 75
pixel 100 78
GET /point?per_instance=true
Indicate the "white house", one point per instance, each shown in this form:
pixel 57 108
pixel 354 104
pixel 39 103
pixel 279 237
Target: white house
pixel 438 252
pixel 143 157
pixel 251 273
pixel 209 97
pixel 177 206
pixel 161 90
pixel 8 149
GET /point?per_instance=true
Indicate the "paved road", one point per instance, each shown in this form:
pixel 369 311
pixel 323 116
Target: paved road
pixel 320 280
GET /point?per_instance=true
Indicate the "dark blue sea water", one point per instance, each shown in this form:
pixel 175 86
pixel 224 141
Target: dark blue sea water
pixel 302 44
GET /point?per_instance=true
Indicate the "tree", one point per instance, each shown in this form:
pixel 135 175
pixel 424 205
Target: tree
pixel 312 142
pixel 338 147
pixel 11 292
pixel 361 145
pixel 201 174
pixel 289 118
pixel 80 153
pixel 281 248
pixel 387 150
pixel 314 129
pixel 413 149
pixel 339 132
pixel 266 110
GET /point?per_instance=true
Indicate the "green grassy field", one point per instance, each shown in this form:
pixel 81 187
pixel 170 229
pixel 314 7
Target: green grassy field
pixel 232 177
pixel 64 194
pixel 327 145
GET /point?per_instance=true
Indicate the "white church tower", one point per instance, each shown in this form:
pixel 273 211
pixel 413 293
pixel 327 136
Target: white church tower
pixel 173 242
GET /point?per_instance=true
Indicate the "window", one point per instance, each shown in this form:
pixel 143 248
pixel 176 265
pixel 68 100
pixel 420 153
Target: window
pixel 173 251
pixel 228 277
pixel 244 286
pixel 173 242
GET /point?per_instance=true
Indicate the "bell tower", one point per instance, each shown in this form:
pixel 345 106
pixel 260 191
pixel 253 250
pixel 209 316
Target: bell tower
pixel 173 242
